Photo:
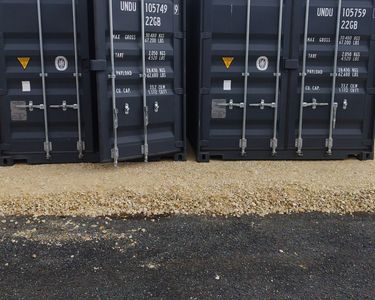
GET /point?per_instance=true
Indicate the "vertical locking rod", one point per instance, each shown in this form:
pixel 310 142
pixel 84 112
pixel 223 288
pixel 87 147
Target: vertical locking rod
pixel 145 108
pixel 278 76
pixel 115 150
pixel 243 141
pixel 80 143
pixel 299 141
pixel 332 119
pixel 47 143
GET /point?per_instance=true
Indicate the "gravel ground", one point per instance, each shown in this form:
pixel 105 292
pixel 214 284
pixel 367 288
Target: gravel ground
pixel 217 188
pixel 313 256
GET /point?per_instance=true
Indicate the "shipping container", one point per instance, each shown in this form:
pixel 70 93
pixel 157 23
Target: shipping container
pixel 46 106
pixel 140 70
pixel 281 79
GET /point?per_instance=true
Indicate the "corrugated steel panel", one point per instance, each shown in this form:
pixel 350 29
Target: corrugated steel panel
pixel 45 91
pixel 141 86
pixel 254 57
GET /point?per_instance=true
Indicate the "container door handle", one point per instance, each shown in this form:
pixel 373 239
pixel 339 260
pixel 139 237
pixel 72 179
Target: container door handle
pixel 64 106
pixel 314 104
pixel 231 104
pixel 31 106
pixel 262 105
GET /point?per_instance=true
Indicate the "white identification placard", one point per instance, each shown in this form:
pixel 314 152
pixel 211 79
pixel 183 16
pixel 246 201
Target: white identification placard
pixel 26 86
pixel 227 85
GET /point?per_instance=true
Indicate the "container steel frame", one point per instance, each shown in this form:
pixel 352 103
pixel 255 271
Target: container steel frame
pixel 289 139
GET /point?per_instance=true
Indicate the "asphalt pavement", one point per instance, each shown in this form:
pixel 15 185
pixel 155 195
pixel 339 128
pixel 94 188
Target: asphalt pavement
pixel 302 256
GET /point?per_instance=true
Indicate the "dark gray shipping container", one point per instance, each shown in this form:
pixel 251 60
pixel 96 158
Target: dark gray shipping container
pixel 140 79
pixel 281 79
pixel 46 108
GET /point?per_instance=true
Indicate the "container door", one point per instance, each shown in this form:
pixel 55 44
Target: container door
pixel 145 98
pixel 244 46
pixel 42 55
pixel 331 95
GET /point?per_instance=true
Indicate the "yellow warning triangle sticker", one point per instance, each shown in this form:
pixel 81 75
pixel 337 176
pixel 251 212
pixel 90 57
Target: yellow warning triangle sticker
pixel 24 61
pixel 228 61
